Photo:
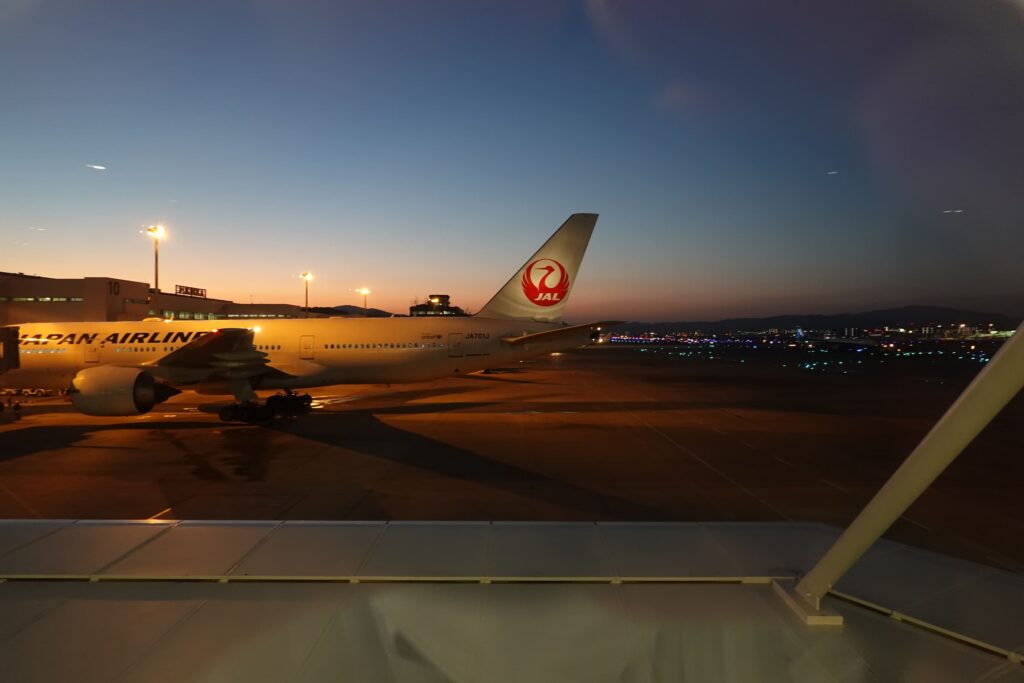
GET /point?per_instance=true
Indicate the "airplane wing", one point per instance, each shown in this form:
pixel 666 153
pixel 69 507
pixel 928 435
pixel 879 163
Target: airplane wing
pixel 227 355
pixel 551 335
pixel 229 349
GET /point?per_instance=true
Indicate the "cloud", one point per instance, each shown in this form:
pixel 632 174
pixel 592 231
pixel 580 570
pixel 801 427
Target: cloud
pixel 96 167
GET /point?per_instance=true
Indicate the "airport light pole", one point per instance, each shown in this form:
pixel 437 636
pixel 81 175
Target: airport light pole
pixel 157 232
pixel 364 291
pixel 307 277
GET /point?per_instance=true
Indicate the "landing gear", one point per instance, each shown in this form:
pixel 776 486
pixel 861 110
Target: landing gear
pixel 290 403
pixel 246 412
pixel 279 405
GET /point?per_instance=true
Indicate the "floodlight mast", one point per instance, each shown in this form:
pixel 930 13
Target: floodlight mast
pixel 994 387
pixel 157 232
pixel 307 276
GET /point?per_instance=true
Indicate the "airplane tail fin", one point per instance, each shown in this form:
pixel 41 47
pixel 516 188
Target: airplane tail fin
pixel 540 289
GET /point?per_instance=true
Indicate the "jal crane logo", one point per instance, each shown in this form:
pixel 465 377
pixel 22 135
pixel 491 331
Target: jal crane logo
pixel 545 282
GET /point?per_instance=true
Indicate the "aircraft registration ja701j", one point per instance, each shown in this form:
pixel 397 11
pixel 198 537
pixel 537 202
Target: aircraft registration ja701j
pixel 127 368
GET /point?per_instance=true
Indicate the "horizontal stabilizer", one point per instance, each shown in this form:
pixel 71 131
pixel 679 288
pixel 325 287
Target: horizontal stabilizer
pixel 551 335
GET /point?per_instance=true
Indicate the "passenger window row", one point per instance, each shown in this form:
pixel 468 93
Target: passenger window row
pixel 405 345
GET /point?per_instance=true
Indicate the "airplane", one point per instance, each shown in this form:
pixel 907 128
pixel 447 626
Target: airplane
pixel 127 368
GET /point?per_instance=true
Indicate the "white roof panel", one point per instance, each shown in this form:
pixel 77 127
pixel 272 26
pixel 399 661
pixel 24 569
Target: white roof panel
pixel 193 549
pixel 311 549
pixel 666 549
pixel 546 549
pixel 84 548
pixel 429 549
pixel 16 533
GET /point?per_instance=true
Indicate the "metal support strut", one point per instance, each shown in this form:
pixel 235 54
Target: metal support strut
pixel 994 387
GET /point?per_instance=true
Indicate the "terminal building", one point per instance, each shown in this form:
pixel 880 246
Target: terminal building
pixel 32 298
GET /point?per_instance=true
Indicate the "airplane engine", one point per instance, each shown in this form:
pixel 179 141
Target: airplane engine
pixel 112 390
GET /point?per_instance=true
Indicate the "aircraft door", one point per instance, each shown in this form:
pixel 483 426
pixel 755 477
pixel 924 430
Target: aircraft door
pixel 455 345
pixel 92 353
pixel 306 347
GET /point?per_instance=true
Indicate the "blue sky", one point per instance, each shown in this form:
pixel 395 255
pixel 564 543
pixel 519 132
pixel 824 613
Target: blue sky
pixel 745 160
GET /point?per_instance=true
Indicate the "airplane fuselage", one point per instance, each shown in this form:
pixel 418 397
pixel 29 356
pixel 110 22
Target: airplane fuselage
pixel 309 352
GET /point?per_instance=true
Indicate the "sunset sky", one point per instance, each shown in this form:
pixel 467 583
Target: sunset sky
pixel 747 158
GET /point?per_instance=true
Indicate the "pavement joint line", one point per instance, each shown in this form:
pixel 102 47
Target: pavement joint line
pixel 695 457
pixel 711 467
pixel 18 499
pixel 832 484
pixel 915 523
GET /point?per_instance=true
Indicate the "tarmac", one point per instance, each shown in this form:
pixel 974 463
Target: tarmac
pixel 597 434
